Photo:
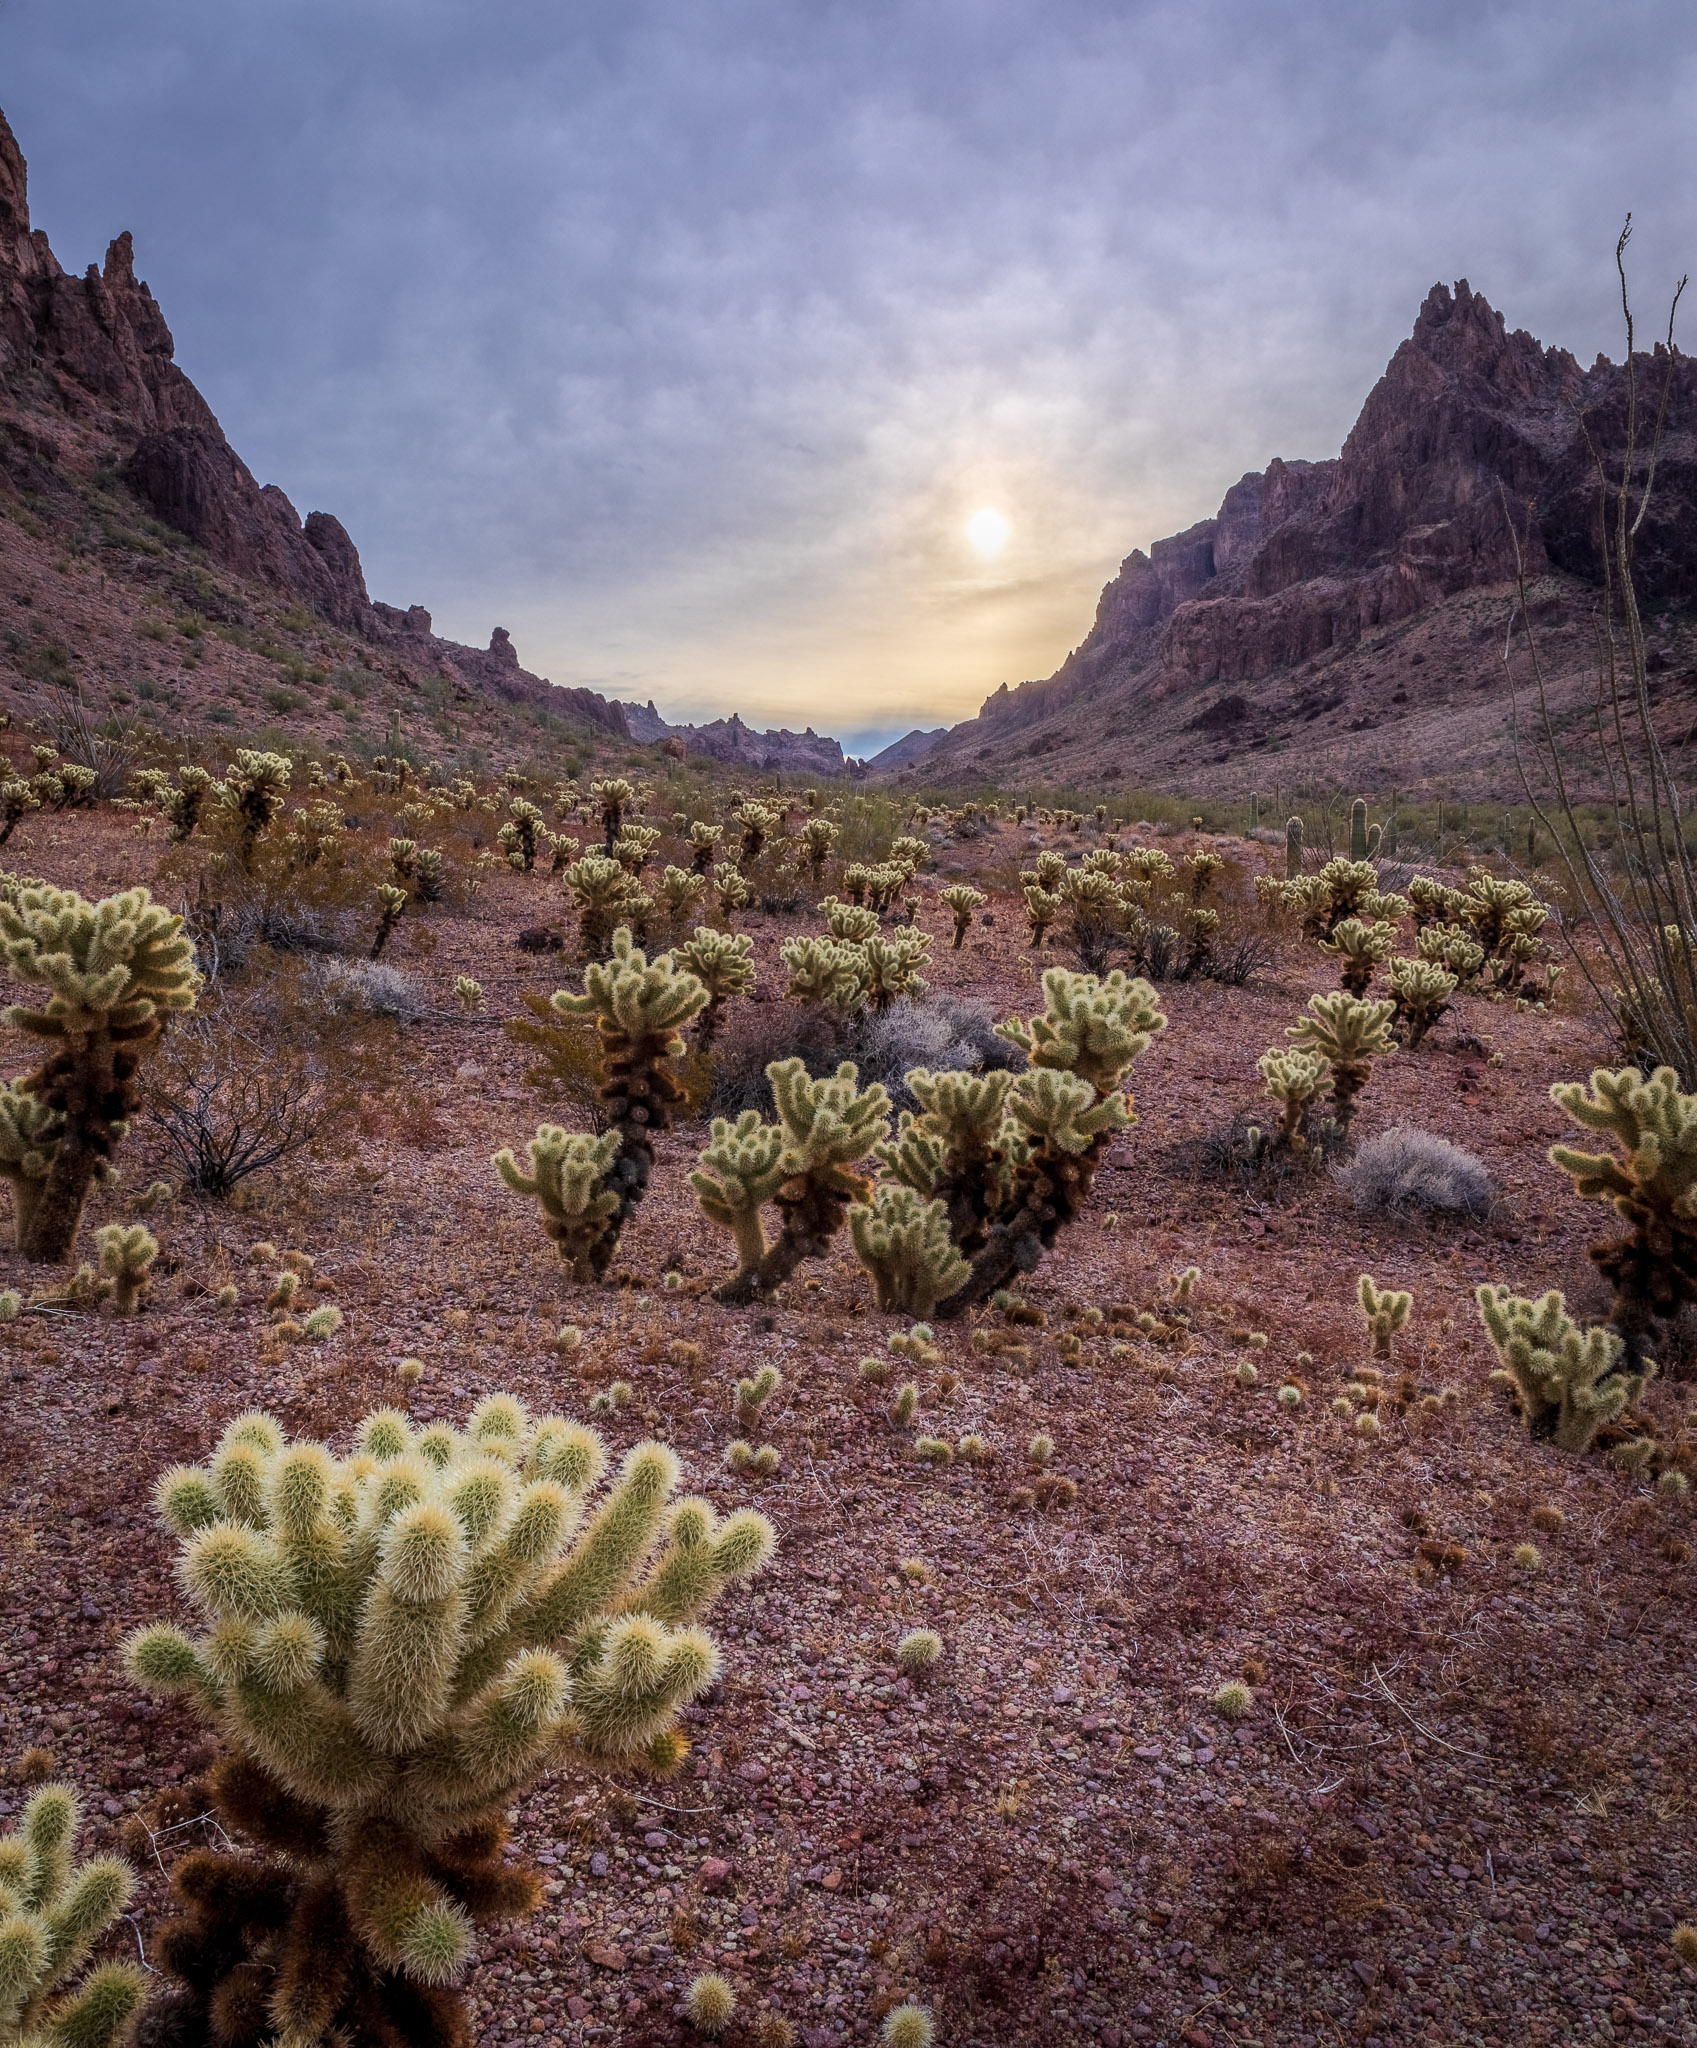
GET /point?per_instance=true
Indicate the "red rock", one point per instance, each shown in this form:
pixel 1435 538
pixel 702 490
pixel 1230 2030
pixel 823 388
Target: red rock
pixel 715 1872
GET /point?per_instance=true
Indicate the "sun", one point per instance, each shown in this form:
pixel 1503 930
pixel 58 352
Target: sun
pixel 988 531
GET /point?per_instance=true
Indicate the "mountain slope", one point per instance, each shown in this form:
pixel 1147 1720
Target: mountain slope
pixel 1347 615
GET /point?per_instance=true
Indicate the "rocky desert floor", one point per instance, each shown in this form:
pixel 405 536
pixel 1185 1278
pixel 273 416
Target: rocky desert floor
pixel 1461 1808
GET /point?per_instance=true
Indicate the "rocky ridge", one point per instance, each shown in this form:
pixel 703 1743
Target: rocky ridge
pixel 728 739
pixel 1473 435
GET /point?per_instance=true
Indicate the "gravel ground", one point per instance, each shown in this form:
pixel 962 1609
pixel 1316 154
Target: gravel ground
pixel 1459 1808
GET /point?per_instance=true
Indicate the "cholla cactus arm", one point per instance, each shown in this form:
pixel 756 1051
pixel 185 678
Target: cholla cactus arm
pixel 852 923
pixel 127 1253
pixel 1094 1028
pixel 567 1173
pixel 723 963
pixel 29 1134
pixel 1435 902
pixel 17 800
pixel 729 887
pixel 391 901
pixel 680 892
pixel 639 1006
pixel 704 844
pixel 1042 909
pixel 828 972
pixel 1651 1183
pixel 254 790
pixel 1452 948
pixel 1360 947
pixel 1568 1381
pixel 890 966
pixel 51 1917
pixel 829 1126
pixel 1344 889
pixel 1294 1081
pixel 903 1241
pixel 818 837
pixel 482 1639
pixel 962 1149
pixel 634 847
pixel 1348 1033
pixel 603 892
pixel 115 969
pixel 1421 990
pixel 739 1172
pixel 615 796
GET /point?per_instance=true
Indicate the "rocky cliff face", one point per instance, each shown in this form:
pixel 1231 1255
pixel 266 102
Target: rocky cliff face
pixel 1470 427
pixel 95 351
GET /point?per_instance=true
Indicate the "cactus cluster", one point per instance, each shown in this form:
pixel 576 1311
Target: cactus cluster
pixel 115 970
pixel 1568 1381
pixel 395 1643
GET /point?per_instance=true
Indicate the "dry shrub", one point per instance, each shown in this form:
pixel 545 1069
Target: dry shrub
pixel 259 1072
pixel 1404 1169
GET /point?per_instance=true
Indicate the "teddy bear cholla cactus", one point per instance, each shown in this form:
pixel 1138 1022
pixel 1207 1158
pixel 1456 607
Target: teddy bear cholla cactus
pixel 588 1188
pixel 1569 1381
pixel 51 1916
pixel 903 1241
pixel 723 963
pixel 1650 1182
pixel 396 1643
pixel 115 968
pixel 964 901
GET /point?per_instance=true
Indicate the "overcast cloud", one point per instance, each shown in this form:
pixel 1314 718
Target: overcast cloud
pixel 682 338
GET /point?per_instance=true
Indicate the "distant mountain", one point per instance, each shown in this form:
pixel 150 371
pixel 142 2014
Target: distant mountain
pixel 1345 617
pixel 911 747
pixel 728 739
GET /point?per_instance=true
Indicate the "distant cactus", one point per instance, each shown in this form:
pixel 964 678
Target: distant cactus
pixel 51 1918
pixel 468 994
pixel 126 1254
pixel 730 890
pixel 704 842
pixel 115 969
pixel 397 1644
pixel 758 821
pixel 1043 908
pixel 1650 1181
pixel 1451 948
pixel 615 797
pixel 828 972
pixel 680 893
pixel 818 837
pixel 391 901
pixel 1384 1310
pixel 605 895
pixel 519 837
pixel 1293 849
pixel 1363 838
pixel 634 848
pixel 254 790
pixel 1349 1033
pixel 1569 1381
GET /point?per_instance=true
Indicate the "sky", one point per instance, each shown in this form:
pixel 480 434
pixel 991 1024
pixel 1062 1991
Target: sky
pixel 690 339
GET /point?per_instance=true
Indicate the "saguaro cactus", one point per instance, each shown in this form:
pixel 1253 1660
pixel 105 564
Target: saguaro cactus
pixel 51 1916
pixel 115 968
pixel 1363 838
pixel 1570 1381
pixel 394 1645
pixel 1293 849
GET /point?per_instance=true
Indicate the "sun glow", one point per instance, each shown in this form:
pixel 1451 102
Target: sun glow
pixel 988 531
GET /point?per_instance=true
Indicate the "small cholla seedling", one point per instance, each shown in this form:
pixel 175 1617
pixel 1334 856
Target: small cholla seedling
pixel 468 994
pixel 1233 1700
pixel 411 1371
pixel 972 1450
pixel 322 1324
pixel 391 900
pixel 906 1404
pixel 710 2003
pixel 397 1644
pixel 1040 1452
pixel 51 1917
pixel 1054 1491
pixel 1385 1311
pixel 907 2026
pixel 569 1338
pixel 1547 1518
pixel 772 2029
pixel 918 1345
pixel 753 1395
pixel 933 1450
pixel 228 1296
pixel 1684 1942
pixel 1290 1396
pixel 1367 1425
pixel 127 1253
pixel 1343 1408
pixel 915 1570
pixel 158 1194
pixel 1528 1557
pixel 1674 1485
pixel 875 1371
pixel 1247 1376
pixel 918 1650
pixel 1185 1284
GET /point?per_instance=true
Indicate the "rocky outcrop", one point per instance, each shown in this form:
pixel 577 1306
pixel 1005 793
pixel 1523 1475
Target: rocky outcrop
pixel 912 746
pixel 728 739
pixel 1470 428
